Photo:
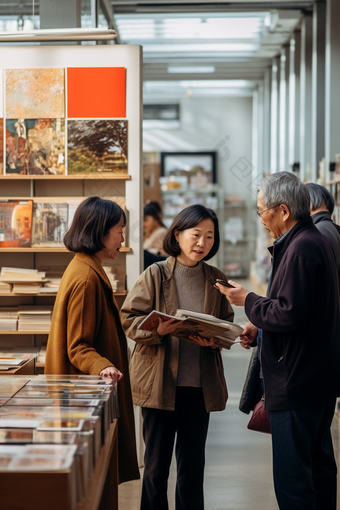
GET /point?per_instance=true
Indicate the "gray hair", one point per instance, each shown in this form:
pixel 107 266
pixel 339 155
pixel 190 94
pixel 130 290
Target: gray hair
pixel 286 188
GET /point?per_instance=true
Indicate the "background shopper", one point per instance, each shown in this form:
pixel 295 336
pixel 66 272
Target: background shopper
pixel 322 207
pixel 86 335
pixel 177 383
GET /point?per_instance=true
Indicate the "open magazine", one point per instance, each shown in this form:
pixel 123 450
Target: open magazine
pixel 196 324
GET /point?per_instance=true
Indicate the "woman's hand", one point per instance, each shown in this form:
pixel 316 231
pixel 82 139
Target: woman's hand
pixel 167 327
pixel 236 296
pixel 112 373
pixel 248 335
pixel 204 342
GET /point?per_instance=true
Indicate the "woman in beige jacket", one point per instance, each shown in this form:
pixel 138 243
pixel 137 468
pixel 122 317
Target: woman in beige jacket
pixel 86 335
pixel 177 383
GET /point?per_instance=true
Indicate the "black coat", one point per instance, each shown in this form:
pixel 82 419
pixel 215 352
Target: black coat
pixel 323 222
pixel 300 320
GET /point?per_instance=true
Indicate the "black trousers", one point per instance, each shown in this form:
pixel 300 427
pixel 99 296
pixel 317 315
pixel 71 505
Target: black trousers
pixel 190 421
pixel 304 467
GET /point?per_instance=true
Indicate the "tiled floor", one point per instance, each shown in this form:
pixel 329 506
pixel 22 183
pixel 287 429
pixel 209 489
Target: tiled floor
pixel 238 461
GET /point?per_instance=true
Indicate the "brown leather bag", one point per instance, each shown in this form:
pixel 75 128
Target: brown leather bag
pixel 260 421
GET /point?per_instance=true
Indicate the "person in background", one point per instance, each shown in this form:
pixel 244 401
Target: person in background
pixel 86 335
pixel 177 383
pixel 154 231
pixel 155 205
pixel 300 353
pixel 322 207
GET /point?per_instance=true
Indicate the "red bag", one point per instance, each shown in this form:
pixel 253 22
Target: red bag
pixel 260 419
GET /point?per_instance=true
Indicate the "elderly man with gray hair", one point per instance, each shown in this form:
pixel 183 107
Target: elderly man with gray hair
pixel 300 352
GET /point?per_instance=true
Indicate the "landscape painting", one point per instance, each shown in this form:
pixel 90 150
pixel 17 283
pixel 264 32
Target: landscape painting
pixel 35 93
pixel 97 147
pixel 35 146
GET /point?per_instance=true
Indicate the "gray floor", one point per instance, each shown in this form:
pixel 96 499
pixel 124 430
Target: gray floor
pixel 238 461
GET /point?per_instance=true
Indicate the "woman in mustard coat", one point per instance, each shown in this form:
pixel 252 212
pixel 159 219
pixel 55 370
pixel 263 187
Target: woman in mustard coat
pixel 86 335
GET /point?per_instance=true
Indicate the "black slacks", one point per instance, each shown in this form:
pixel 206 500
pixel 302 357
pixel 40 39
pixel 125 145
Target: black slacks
pixel 304 467
pixel 190 421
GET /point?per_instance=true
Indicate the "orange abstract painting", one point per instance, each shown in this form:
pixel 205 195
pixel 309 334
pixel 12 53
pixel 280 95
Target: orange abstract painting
pixel 96 92
pixel 35 93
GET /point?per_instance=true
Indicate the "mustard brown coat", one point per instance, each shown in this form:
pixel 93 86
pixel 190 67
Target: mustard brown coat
pixel 154 364
pixel 86 336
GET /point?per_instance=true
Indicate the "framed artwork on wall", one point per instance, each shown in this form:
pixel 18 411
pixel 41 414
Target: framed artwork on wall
pixel 191 170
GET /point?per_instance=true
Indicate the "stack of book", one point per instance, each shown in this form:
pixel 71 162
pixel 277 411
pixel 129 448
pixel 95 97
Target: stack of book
pixel 52 423
pixel 116 275
pixel 5 288
pixel 34 318
pixel 23 281
pixel 8 318
pixel 53 277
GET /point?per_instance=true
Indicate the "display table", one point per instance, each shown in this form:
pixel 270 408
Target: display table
pixel 56 490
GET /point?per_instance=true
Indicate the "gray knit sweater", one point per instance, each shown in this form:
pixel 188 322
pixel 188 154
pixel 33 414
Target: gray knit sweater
pixel 190 284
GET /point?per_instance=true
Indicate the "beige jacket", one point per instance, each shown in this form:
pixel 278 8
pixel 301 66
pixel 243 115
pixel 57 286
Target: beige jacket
pixel 154 364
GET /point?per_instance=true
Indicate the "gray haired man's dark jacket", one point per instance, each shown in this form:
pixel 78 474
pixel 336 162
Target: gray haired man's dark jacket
pixel 323 222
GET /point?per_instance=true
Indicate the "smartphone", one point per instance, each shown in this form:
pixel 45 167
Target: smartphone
pixel 225 283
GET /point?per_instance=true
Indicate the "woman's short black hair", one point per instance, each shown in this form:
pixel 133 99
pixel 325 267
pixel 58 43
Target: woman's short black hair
pixel 155 205
pixel 149 210
pixel 320 197
pixel 190 217
pixel 92 221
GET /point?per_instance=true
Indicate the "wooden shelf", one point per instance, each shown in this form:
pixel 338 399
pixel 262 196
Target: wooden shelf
pixel 48 250
pixel 24 332
pixel 14 177
pixel 15 294
pixel 52 294
pixel 49 199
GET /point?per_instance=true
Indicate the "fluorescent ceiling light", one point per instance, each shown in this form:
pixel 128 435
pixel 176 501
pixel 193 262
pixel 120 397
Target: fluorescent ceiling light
pixel 193 47
pixel 197 26
pixel 60 34
pixel 191 69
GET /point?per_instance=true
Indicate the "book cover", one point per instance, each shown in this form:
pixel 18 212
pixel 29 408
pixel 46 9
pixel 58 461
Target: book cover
pixel 50 222
pixel 16 223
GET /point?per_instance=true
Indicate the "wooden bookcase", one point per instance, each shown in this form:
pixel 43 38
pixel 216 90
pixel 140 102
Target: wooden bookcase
pixel 44 189
pixel 61 187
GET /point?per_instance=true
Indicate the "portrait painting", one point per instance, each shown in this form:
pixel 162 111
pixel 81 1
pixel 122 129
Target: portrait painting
pixel 97 147
pixel 34 93
pixel 35 146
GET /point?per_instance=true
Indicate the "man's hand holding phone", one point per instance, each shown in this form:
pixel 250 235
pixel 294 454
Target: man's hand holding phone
pixel 235 293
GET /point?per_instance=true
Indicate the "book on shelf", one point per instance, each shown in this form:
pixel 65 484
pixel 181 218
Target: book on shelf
pixel 5 288
pixel 20 271
pixel 8 318
pixel 50 222
pixel 16 223
pixel 191 324
pixel 33 318
pixel 116 275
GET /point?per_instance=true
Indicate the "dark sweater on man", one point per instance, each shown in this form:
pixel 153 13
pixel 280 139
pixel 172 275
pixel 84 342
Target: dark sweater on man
pixel 300 320
pixel 323 222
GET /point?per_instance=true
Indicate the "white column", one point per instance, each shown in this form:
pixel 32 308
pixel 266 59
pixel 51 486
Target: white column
pixel 332 97
pixel 306 99
pixel 318 86
pixel 266 120
pixel 274 147
pixel 294 99
pixel 284 102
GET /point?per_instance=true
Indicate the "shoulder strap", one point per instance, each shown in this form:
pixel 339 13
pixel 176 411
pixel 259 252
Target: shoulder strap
pixel 161 270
